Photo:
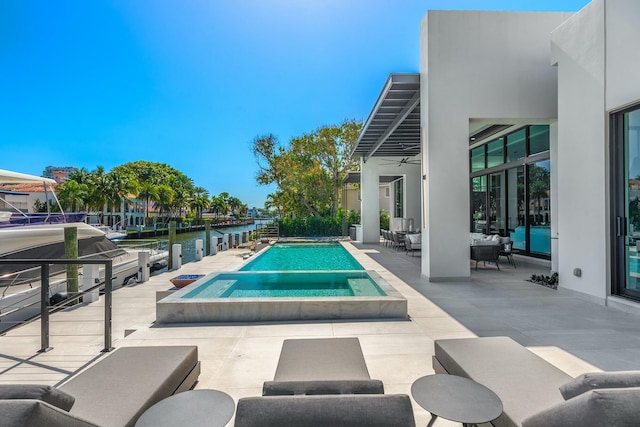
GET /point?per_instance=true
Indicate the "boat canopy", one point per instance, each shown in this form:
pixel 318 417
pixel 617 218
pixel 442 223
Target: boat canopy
pixel 9 177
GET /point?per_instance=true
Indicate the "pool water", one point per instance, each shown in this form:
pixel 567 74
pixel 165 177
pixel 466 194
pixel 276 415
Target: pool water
pixel 304 256
pixel 287 284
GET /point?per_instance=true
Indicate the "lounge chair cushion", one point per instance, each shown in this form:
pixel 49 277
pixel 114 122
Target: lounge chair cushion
pixel 46 393
pixel 321 359
pixel 283 388
pixel 525 383
pixel 608 407
pixel 119 388
pixel 364 410
pixel 593 380
pixel 36 413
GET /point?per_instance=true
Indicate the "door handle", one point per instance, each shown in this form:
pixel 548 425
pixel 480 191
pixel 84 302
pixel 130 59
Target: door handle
pixel 618 226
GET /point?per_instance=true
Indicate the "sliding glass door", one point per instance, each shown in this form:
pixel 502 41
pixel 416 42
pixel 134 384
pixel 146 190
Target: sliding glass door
pixel 626 203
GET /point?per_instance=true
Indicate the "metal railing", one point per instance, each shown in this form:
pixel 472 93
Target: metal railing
pixel 269 231
pixel 45 303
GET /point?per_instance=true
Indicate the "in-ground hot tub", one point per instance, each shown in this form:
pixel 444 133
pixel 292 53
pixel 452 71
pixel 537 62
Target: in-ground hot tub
pixel 283 295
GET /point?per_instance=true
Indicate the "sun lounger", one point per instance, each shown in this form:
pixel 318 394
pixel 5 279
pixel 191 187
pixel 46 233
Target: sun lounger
pixel 113 392
pixel 322 366
pixel 370 410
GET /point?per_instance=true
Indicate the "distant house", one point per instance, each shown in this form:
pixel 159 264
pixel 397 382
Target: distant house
pixel 58 173
pixel 23 196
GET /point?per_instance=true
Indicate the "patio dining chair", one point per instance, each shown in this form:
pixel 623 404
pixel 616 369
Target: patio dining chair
pixel 398 241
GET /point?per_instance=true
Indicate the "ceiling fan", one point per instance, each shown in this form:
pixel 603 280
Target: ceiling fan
pixel 403 161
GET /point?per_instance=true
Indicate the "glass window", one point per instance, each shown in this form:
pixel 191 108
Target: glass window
pixel 538 139
pixel 477 159
pixel 632 201
pixel 399 199
pixel 539 207
pixel 479 204
pixel 515 208
pixel 496 204
pixel 495 153
pixel 516 145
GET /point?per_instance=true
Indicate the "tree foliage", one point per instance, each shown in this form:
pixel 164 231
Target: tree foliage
pixel 170 191
pixel 309 171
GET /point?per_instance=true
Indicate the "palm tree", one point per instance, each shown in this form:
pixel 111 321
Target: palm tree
pixel 71 194
pixel 180 200
pixel 99 186
pixel 165 198
pixel 200 203
pixel 149 193
pixel 121 186
pixel 219 205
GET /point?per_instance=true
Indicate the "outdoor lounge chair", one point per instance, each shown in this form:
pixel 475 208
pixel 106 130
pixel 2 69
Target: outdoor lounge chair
pixel 534 392
pixel 113 392
pixel 322 366
pixel 486 250
pixel 324 382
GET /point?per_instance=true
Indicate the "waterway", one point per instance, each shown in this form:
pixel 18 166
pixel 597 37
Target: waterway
pixel 188 240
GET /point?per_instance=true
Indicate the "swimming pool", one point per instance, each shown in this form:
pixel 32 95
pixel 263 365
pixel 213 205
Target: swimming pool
pixel 287 284
pixel 303 256
pixel 297 281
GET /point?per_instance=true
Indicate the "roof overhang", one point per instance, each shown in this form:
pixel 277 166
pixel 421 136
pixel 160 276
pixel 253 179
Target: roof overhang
pixel 393 126
pixel 354 178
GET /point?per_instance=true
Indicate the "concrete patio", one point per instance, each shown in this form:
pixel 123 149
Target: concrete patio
pixel 575 335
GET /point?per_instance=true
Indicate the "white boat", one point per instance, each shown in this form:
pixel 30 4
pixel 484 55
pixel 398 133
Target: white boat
pixel 13 216
pixel 20 283
pixel 111 233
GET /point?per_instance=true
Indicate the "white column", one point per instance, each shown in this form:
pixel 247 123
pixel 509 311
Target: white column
pixel 144 266
pixel 199 249
pixel 369 212
pixel 176 251
pixel 90 272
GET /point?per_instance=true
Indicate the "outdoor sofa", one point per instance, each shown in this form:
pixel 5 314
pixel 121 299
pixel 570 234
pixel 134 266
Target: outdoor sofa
pixel 324 382
pixel 113 392
pixel 535 393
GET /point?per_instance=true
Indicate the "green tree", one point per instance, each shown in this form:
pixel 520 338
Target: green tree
pixel 219 205
pixel 149 193
pixel 99 186
pixel 72 194
pixel 165 197
pixel 310 171
pixel 121 186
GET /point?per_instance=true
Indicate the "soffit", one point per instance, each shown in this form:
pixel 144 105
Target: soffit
pixel 393 126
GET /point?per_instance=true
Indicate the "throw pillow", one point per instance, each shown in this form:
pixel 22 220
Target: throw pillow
pixel 607 407
pixel 46 393
pixel 595 380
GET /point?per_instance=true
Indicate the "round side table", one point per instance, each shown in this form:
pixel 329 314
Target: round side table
pixel 457 399
pixel 195 408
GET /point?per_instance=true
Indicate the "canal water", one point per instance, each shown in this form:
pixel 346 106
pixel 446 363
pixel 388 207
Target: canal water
pixel 188 240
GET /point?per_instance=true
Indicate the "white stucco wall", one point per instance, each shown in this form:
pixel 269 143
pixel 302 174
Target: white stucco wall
pixel 622 53
pixel 578 51
pixel 474 65
pixel 597 60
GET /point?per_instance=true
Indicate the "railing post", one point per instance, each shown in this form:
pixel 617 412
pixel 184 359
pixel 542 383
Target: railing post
pixel 44 308
pixel 108 289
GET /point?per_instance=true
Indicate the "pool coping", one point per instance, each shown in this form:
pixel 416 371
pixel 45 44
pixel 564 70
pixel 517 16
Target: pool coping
pixel 175 309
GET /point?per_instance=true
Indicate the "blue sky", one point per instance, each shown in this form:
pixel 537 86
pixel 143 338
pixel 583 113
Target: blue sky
pixel 191 82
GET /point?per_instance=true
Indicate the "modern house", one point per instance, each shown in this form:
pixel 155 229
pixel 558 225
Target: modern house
pixel 524 124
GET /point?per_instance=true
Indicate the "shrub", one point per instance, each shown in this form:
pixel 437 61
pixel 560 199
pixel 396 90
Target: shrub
pixel 384 220
pixel 315 226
